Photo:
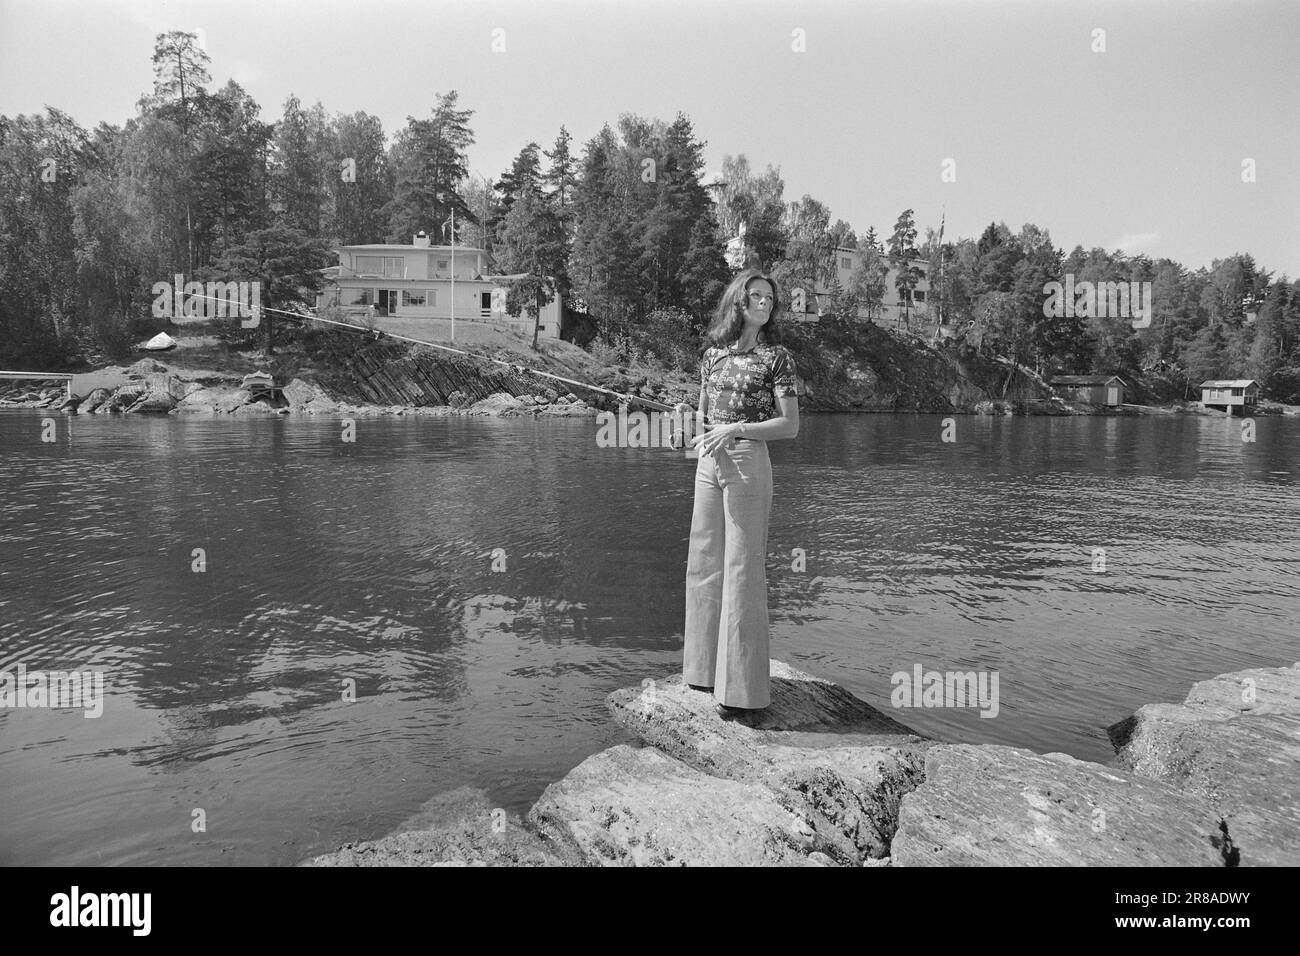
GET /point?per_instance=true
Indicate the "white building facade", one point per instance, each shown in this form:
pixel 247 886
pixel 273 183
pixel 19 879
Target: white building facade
pixel 416 282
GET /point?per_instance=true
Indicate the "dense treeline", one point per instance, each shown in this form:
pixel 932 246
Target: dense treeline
pixel 1232 320
pixel 626 231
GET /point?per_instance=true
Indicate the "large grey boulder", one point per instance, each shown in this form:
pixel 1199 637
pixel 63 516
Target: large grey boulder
pixel 204 397
pixel 823 778
pixel 320 406
pixel 228 400
pixel 498 403
pixel 1236 742
pixel 93 401
pixel 991 805
pixel 1264 690
pixel 166 382
pixel 308 398
pixel 459 828
pixel 157 401
pixel 145 366
pixel 638 807
pixel 806 711
pixel 830 759
pixel 123 398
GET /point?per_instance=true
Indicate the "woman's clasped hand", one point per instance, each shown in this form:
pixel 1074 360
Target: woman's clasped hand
pixel 716 437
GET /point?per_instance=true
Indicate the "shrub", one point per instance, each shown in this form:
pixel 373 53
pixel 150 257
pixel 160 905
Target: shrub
pixel 1284 386
pixel 664 339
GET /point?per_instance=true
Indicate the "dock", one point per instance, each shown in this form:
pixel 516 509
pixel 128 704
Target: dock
pixel 65 377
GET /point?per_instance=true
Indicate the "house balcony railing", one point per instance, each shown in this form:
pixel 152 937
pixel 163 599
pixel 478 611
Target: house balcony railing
pixel 360 310
pixel 442 275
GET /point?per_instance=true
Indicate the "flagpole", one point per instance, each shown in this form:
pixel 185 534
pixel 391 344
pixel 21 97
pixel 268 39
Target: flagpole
pixel 941 221
pixel 453 274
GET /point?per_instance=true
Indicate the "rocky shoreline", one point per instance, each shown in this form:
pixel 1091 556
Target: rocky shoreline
pixel 825 779
pixel 151 387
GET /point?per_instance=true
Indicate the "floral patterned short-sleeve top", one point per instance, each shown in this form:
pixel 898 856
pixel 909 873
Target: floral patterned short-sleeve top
pixel 744 386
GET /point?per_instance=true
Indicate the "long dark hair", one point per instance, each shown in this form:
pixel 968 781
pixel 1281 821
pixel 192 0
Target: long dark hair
pixel 729 317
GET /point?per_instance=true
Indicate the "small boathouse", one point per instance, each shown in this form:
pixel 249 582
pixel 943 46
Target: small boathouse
pixel 1227 394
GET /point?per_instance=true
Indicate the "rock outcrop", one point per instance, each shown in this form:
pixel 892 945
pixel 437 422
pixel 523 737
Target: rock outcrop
pixel 857 367
pixel 860 366
pixel 1235 741
pixel 1002 806
pixel 385 372
pixel 639 807
pixel 821 778
pixel 835 768
pixel 469 831
pixel 148 386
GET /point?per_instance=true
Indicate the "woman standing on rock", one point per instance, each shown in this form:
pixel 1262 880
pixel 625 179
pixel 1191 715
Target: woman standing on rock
pixel 747 398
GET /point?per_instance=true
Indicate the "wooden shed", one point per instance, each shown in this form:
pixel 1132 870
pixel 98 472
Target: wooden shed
pixel 1230 393
pixel 1095 389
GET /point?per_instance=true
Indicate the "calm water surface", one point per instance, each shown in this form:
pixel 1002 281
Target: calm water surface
pixel 372 562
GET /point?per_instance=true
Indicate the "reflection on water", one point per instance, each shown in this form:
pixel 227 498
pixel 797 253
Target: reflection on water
pixel 334 571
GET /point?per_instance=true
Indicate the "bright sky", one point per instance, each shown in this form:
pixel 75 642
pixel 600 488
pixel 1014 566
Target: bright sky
pixel 1138 147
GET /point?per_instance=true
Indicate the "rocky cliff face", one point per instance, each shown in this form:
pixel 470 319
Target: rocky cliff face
pixel 385 372
pixel 865 368
pixel 858 368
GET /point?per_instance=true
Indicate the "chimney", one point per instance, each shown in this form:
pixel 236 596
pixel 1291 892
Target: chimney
pixel 421 240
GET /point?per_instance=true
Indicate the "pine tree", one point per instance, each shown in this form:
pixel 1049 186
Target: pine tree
pixel 431 161
pixel 902 250
pixel 532 242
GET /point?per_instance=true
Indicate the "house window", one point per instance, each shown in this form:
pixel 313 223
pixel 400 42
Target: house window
pixel 918 295
pixel 358 296
pixel 392 266
pixel 443 264
pixel 846 262
pixel 413 297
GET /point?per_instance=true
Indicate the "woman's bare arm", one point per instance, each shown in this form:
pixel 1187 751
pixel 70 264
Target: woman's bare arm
pixel 786 425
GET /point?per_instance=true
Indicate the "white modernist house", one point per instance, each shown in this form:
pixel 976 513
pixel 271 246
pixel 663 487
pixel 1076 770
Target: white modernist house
pixel 415 282
pixel 894 312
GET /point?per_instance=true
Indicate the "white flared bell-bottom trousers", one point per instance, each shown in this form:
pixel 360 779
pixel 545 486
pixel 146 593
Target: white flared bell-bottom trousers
pixel 726 641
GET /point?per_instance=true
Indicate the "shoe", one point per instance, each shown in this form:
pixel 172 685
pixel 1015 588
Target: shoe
pixel 741 715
